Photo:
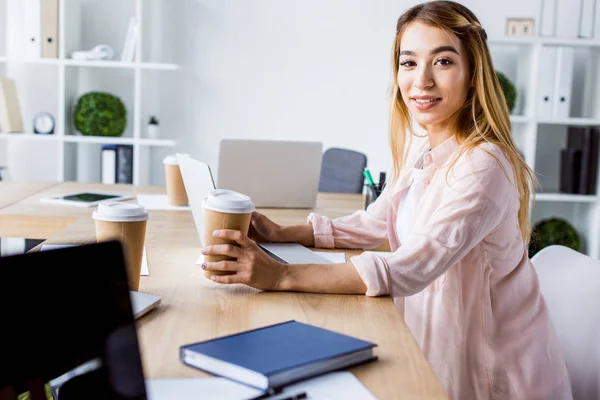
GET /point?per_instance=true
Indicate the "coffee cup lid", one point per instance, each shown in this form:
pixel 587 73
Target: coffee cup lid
pixel 223 200
pixel 171 159
pixel 114 211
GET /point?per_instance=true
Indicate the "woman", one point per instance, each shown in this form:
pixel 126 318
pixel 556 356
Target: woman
pixel 456 216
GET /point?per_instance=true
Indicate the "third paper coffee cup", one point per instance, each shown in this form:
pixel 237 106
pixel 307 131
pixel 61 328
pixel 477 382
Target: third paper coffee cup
pixel 224 209
pixel 176 194
pixel 125 222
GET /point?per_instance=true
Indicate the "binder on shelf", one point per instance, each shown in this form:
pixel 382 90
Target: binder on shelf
pixel 565 60
pixel 109 164
pixel 32 29
pixel 585 141
pixel 548 18
pixel 570 167
pixel 49 28
pixel 10 112
pixel 568 13
pixel 546 83
pixel 117 164
pixel 125 164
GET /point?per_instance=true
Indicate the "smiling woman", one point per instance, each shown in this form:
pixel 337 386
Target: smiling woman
pixel 456 215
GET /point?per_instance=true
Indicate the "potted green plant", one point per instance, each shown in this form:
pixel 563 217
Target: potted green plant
pixel 554 231
pixel 509 90
pixel 100 114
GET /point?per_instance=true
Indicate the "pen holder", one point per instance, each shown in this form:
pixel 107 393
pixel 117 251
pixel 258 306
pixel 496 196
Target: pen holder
pixel 371 194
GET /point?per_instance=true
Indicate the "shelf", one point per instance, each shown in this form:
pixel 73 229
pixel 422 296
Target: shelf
pixel 157 142
pixel 88 139
pixel 93 64
pixel 545 41
pixel 28 136
pixel 562 197
pixel 571 121
pixel 118 140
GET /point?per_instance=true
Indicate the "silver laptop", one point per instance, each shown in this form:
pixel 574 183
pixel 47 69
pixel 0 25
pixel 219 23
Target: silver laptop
pixel 141 303
pixel 198 182
pixel 275 174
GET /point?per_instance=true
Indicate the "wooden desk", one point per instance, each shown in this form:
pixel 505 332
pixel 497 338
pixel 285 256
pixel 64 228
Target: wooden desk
pixel 194 308
pixel 14 191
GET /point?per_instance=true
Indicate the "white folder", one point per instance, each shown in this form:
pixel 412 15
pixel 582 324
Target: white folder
pixel 32 29
pixel 548 18
pixel 597 20
pixel 586 20
pixel 546 82
pixel 563 88
pixel 568 13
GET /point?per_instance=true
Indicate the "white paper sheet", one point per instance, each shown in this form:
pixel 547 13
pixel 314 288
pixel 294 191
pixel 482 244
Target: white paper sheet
pixel 198 388
pixel 144 272
pixel 336 258
pixel 332 386
pixel 157 202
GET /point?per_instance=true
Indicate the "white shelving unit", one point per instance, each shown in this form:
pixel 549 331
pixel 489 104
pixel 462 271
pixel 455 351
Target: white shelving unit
pixel 69 155
pixel 540 139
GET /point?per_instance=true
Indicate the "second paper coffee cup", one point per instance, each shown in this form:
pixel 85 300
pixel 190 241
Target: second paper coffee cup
pixel 224 209
pixel 176 194
pixel 125 222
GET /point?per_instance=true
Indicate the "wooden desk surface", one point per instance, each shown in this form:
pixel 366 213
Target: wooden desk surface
pixel 194 308
pixel 14 191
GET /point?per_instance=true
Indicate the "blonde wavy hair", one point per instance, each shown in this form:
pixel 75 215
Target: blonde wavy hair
pixel 484 118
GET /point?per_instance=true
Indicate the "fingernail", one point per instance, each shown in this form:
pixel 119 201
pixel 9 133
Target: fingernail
pixel 216 233
pixel 203 265
pixel 204 250
pixel 213 278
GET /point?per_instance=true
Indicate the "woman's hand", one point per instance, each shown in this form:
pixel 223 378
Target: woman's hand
pixel 262 229
pixel 253 266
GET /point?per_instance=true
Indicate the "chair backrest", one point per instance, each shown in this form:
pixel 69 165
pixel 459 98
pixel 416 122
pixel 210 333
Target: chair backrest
pixel 342 171
pixel 570 284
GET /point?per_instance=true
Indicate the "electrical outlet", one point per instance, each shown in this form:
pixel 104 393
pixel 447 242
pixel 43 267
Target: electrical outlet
pixel 520 27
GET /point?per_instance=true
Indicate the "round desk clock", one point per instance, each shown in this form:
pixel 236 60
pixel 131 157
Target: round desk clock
pixel 43 123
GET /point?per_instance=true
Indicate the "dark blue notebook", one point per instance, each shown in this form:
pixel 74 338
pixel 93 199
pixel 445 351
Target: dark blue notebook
pixel 276 355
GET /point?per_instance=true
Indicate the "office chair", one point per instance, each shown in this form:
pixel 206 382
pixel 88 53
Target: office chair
pixel 342 171
pixel 570 284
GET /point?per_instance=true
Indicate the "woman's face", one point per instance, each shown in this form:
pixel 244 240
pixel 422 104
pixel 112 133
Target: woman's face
pixel 433 75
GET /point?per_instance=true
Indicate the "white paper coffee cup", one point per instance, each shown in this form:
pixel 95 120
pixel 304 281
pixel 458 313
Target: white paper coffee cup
pixel 224 209
pixel 176 193
pixel 125 222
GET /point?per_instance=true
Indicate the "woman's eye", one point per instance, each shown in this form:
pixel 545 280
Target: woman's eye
pixel 443 61
pixel 407 63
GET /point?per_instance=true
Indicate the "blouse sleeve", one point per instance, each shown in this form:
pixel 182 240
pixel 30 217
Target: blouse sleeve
pixel 364 229
pixel 475 201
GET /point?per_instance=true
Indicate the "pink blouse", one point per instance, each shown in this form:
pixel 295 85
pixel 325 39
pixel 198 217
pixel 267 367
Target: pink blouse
pixel 463 280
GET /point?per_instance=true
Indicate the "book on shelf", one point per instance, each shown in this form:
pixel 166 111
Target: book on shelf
pixel 117 164
pixel 277 355
pixel 10 112
pixel 579 161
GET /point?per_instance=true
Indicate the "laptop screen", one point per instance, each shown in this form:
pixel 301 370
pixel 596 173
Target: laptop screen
pixel 67 324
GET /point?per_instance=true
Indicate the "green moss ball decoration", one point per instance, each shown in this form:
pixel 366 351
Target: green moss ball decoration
pixel 554 231
pixel 100 114
pixel 510 92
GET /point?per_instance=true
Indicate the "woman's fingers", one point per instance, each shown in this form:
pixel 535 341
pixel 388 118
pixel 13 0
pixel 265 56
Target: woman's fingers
pixel 234 235
pixel 223 249
pixel 230 266
pixel 229 279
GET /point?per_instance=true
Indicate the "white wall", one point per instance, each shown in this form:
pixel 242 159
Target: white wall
pixel 272 69
pixel 299 70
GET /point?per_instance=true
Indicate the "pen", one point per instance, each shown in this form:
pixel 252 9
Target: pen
pixel 368 177
pixel 297 396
